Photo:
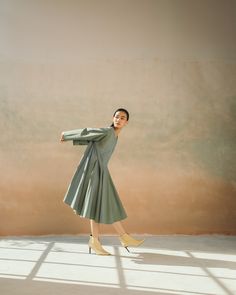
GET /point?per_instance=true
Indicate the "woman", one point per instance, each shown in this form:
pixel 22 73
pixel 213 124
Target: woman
pixel 91 193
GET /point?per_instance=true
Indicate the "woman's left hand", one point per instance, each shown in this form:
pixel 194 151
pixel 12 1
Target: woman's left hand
pixel 62 137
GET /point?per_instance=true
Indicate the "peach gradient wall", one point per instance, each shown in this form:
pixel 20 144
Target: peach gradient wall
pixel 70 64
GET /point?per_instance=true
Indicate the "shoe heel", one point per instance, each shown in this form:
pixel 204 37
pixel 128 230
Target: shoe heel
pixel 127 249
pixel 96 246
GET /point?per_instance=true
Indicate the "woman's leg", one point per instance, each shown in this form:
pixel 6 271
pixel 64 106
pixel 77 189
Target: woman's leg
pixel 119 228
pixel 94 228
pixel 94 242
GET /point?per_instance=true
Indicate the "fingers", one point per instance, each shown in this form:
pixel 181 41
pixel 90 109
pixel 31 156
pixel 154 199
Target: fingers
pixel 62 137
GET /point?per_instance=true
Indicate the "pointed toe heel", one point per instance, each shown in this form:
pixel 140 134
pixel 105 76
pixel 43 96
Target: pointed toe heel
pixel 127 241
pixel 97 247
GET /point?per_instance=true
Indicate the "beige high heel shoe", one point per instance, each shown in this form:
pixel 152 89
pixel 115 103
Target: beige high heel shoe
pixel 96 246
pixel 126 241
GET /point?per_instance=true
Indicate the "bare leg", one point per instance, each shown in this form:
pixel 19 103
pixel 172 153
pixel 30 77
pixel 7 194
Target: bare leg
pixel 119 228
pixel 94 242
pixel 94 228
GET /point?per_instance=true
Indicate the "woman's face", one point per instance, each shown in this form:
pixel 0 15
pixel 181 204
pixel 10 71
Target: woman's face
pixel 120 119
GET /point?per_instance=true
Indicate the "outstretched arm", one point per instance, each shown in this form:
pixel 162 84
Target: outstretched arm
pixel 84 136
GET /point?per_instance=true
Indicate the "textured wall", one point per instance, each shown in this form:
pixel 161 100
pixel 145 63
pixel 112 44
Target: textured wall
pixel 69 64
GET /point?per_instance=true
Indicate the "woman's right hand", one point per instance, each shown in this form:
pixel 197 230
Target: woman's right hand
pixel 62 137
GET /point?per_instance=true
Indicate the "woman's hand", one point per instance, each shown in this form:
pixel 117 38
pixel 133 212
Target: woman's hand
pixel 62 137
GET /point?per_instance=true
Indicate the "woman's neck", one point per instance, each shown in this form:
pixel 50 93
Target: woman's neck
pixel 117 130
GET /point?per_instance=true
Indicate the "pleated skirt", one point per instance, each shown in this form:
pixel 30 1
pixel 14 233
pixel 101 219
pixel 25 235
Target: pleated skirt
pixel 92 194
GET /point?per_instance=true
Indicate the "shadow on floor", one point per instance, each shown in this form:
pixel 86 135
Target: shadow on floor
pixel 18 287
pixel 162 259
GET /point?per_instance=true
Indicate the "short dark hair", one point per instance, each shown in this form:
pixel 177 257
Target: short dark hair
pixel 122 110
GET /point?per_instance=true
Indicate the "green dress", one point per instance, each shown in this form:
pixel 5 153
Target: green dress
pixel 91 193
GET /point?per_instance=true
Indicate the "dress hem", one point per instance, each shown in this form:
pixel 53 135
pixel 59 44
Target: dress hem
pixel 90 218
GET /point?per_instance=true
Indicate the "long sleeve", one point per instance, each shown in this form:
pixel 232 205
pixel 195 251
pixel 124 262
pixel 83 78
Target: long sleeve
pixel 84 136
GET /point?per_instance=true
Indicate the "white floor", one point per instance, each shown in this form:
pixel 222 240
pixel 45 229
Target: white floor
pixel 195 265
